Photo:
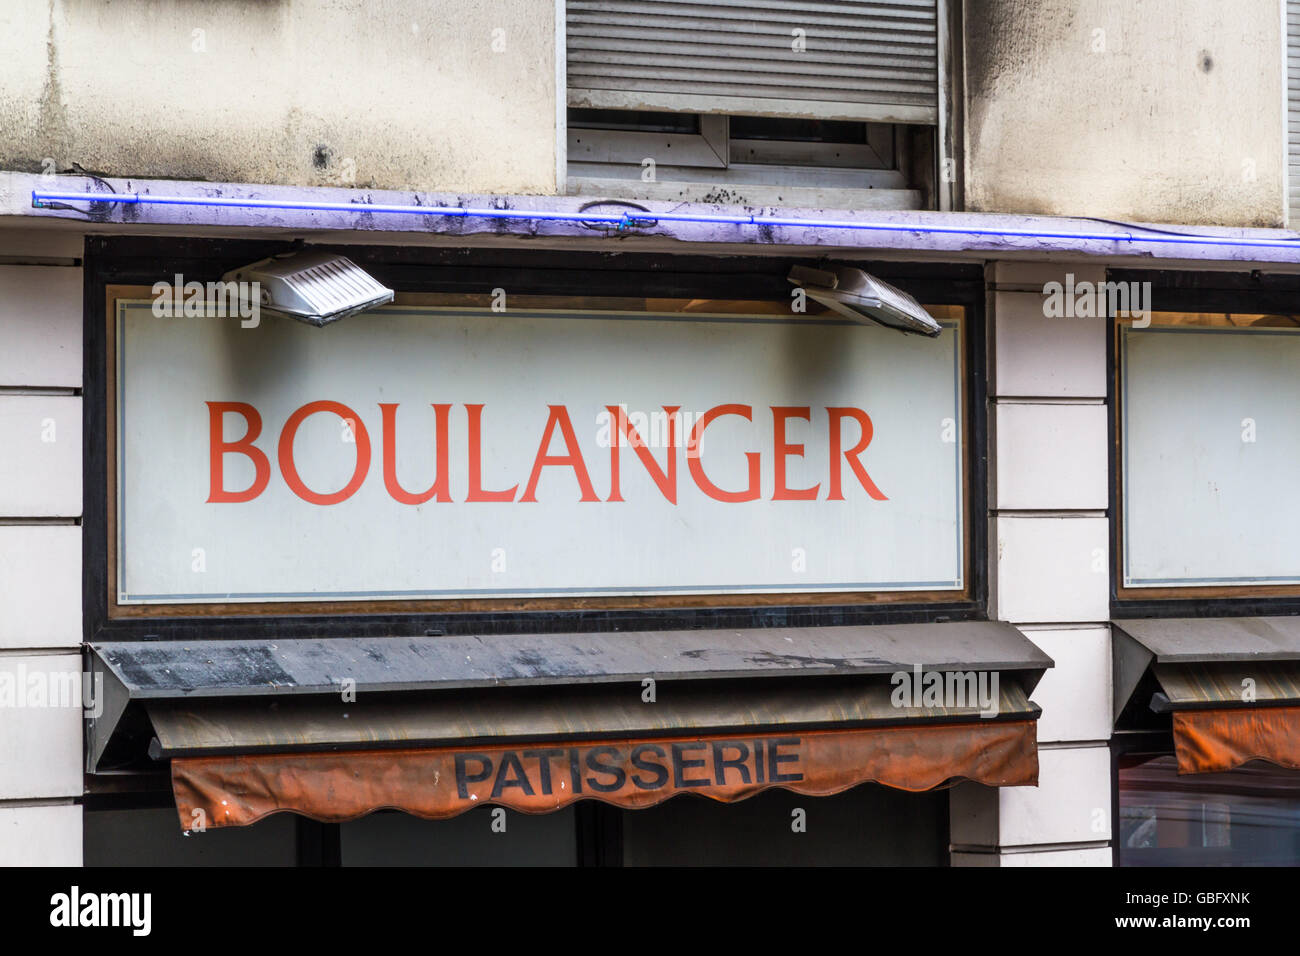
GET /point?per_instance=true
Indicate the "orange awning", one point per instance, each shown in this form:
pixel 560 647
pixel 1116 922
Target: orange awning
pixel 435 726
pixel 436 783
pixel 1216 739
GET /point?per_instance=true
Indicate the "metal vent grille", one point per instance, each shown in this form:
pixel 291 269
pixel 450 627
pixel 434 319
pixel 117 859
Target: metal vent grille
pixel 334 285
pixel 861 60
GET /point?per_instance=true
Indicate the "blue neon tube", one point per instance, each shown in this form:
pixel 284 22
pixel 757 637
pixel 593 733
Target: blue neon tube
pixel 42 197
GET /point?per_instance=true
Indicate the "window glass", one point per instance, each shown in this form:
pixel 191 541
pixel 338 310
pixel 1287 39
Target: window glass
pixel 866 826
pixel 153 837
pixel 798 130
pixel 1246 817
pixel 486 836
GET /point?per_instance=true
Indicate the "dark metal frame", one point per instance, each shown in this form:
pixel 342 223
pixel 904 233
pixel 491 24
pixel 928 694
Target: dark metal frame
pixel 951 196
pixel 1177 291
pixel 145 260
pixel 599 829
pixel 1122 744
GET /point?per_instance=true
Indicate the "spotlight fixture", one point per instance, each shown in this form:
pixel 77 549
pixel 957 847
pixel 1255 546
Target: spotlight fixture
pixel 312 287
pixel 858 296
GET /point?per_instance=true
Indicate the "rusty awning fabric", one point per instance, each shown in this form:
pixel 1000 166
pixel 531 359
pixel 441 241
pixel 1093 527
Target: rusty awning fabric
pixel 1214 740
pixel 436 783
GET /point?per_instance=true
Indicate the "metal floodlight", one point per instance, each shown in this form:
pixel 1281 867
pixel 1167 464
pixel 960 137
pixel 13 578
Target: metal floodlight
pixel 312 287
pixel 858 296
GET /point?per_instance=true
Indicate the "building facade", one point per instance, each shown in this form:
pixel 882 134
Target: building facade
pixel 607 506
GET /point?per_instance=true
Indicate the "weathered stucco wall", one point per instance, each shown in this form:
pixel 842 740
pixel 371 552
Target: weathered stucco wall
pixel 1157 110
pixel 401 94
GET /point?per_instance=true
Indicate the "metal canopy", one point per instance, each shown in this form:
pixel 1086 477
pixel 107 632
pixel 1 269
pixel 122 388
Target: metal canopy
pixel 1199 661
pixel 153 669
pixel 1186 640
pixel 190 671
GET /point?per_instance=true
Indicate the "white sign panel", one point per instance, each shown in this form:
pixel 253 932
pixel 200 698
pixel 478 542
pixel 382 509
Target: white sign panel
pixel 1210 447
pixel 429 453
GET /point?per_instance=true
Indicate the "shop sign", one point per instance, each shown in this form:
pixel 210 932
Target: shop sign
pixel 418 453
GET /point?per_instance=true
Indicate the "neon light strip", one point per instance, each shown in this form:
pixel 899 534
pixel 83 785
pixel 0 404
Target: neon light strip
pixel 623 219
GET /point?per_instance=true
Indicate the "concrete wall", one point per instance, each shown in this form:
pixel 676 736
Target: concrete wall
pixel 398 94
pixel 1048 534
pixel 40 549
pixel 1156 110
pixel 1163 110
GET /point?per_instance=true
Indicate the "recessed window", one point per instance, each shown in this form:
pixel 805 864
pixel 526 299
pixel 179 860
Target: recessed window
pixel 796 161
pixel 846 105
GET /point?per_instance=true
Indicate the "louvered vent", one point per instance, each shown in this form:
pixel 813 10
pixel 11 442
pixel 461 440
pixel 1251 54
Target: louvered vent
pixel 854 59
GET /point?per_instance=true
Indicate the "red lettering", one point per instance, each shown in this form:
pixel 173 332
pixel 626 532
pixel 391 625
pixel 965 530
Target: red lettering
pixel 623 434
pixel 697 469
pixel 290 470
pixel 783 449
pixel 476 492
pixel 441 488
pixel 666 480
pixel 218 448
pixel 559 416
pixel 864 422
